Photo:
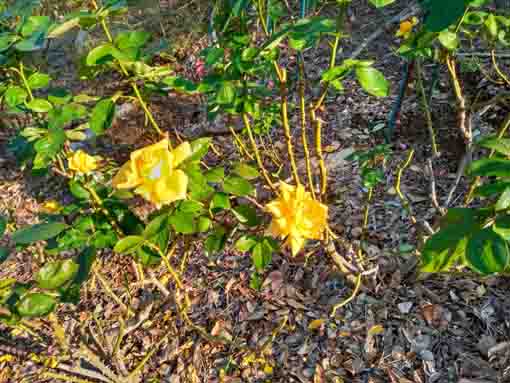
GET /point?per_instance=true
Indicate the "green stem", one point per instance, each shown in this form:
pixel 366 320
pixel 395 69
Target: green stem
pixel 146 109
pixel 25 81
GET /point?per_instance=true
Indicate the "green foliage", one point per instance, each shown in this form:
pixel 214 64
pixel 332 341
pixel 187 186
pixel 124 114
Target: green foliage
pixel 476 237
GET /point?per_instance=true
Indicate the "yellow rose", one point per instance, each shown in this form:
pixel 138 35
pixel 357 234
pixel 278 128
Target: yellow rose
pixel 51 207
pixel 297 216
pixel 152 172
pixel 82 162
pixel 406 27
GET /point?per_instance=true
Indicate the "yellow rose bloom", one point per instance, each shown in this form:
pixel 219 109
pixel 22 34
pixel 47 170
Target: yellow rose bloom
pixel 82 162
pixel 152 172
pixel 51 207
pixel 406 27
pixel 297 217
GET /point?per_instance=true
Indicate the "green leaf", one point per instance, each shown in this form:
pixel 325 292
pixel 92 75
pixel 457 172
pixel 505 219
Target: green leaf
pixel 488 190
pixel 248 53
pixel 381 3
pixel 190 206
pixel 255 281
pixel 33 43
pixel 216 241
pixel 155 226
pixel 492 25
pixel 502 226
pixel 4 254
pixel 102 116
pixel 204 224
pixel 183 222
pixel 215 174
pixel 261 255
pixel 55 274
pixel 475 18
pixel 78 190
pixel 213 55
pixel 219 201
pixel 490 167
pixel 39 105
pixel 103 53
pixel 503 200
pixel 246 171
pixel 226 93
pixel 487 252
pixel 245 243
pixel 38 232
pixel 441 14
pixel 38 80
pixel 3 225
pixel 59 96
pixel 128 244
pixel 442 251
pixel 36 305
pixel 237 186
pixel 246 214
pixel 372 81
pixel 447 246
pixel 199 149
pixel 448 39
pixel 35 24
pixel 6 41
pixel 500 145
pixel 15 96
pixel 130 40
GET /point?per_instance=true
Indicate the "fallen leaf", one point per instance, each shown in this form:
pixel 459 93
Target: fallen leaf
pixel 316 324
pixel 376 330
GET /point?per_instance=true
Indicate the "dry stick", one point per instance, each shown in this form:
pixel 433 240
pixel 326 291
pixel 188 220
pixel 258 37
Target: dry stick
pixel 405 202
pixel 255 149
pixel 304 139
pixel 426 107
pixel 504 127
pixel 285 123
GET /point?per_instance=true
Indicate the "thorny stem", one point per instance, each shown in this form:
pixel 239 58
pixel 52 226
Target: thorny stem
pixel 463 123
pixel 426 108
pixel 255 149
pixel 332 63
pixel 497 68
pixel 242 147
pixel 405 202
pixel 286 125
pixel 304 139
pixel 350 298
pixel 318 150
pixel 262 18
pixel 147 111
pixel 109 290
